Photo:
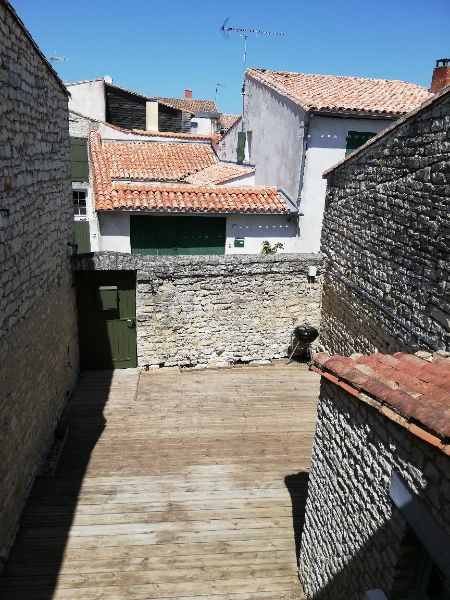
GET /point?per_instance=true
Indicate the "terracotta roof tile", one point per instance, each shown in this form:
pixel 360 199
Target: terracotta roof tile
pixel 156 161
pixel 416 388
pixel 219 173
pixel 190 105
pixel 167 162
pixel 207 137
pixel 226 122
pixel 187 198
pixel 331 92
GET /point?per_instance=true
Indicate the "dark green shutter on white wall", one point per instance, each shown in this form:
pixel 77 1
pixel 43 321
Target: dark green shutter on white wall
pixel 82 236
pixel 241 147
pixel 167 236
pixel 355 139
pixel 79 156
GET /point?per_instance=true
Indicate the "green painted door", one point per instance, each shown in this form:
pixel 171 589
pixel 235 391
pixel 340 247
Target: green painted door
pixel 177 235
pixel 82 236
pixel 106 302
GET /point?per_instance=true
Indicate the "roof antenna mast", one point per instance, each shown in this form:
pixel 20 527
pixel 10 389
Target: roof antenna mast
pixel 244 33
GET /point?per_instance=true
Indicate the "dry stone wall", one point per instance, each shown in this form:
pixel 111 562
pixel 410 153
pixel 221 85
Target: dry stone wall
pixel 386 235
pixel 354 538
pixel 38 335
pixel 216 310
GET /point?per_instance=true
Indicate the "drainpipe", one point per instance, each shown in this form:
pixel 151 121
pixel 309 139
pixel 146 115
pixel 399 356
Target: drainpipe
pixel 308 119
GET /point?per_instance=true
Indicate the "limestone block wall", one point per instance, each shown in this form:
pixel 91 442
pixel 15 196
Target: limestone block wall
pixel 354 537
pixel 38 335
pixel 386 235
pixel 216 310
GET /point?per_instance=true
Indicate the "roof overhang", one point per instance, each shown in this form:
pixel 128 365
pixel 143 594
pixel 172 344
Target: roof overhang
pixel 354 114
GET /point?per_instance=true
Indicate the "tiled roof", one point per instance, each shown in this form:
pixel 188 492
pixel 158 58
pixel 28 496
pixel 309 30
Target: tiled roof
pixel 188 198
pixel 147 161
pixel 144 161
pixel 226 122
pixel 156 161
pixel 219 173
pixel 190 105
pixel 206 137
pixel 374 140
pixel 405 387
pixel 337 93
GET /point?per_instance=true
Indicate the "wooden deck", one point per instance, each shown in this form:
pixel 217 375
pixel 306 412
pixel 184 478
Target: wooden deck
pixel 172 485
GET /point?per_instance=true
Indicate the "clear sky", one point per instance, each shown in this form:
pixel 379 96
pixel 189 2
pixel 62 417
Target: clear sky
pixel 160 48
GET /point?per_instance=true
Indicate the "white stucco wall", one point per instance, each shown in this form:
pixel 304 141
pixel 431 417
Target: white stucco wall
pixel 257 228
pixel 277 128
pixel 228 143
pixel 204 125
pixel 326 144
pixel 88 98
pixel 245 180
pixel 91 214
pixel 114 229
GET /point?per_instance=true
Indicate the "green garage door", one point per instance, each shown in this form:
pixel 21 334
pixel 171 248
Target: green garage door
pixel 177 235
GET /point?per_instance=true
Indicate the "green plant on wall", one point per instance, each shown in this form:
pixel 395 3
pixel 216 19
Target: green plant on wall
pixel 267 248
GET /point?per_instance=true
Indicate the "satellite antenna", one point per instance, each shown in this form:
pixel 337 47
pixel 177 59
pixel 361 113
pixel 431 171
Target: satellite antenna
pixel 244 33
pixel 218 85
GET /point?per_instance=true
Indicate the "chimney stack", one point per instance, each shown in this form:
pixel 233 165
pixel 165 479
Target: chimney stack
pixel 441 75
pixel 188 93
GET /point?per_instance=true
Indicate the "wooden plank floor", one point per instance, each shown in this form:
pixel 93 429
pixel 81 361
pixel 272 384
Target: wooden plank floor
pixel 172 485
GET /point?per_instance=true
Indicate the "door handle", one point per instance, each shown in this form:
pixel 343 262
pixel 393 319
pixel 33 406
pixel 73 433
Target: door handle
pixel 131 323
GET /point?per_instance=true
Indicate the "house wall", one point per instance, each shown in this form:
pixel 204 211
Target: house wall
pixel 326 145
pixel 114 232
pixel 277 127
pixel 203 125
pixel 79 126
pixel 354 537
pixel 215 310
pixel 38 332
pixel 227 149
pixel 385 235
pixel 244 181
pixel 257 228
pixel 88 98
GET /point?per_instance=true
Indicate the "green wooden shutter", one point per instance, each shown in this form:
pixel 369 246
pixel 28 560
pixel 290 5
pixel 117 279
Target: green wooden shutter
pixel 79 158
pixel 169 236
pixel 82 236
pixel 241 147
pixel 355 139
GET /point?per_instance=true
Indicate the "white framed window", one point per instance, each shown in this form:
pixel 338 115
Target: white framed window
pixel 79 203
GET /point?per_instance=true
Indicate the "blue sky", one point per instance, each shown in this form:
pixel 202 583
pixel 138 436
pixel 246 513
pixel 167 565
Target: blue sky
pixel 160 48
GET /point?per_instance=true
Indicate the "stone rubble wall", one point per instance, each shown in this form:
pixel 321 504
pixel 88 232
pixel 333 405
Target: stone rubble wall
pixel 208 311
pixel 354 537
pixel 386 237
pixel 38 334
pixel 80 126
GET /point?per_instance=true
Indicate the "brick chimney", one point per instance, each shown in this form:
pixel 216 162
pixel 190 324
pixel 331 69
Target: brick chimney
pixel 441 75
pixel 188 93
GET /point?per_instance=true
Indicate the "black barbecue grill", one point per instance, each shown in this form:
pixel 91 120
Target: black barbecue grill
pixel 301 340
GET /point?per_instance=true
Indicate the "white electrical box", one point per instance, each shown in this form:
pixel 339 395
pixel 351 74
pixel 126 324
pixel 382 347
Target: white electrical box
pixel 312 271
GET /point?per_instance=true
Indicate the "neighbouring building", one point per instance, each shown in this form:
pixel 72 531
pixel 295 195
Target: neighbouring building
pixel 38 331
pixel 206 117
pixel 102 100
pixel 297 125
pixel 386 237
pixel 172 195
pixel 377 523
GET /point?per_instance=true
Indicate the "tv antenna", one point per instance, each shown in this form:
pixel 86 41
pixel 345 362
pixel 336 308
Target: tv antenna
pixel 218 85
pixel 245 33
pixel 55 58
